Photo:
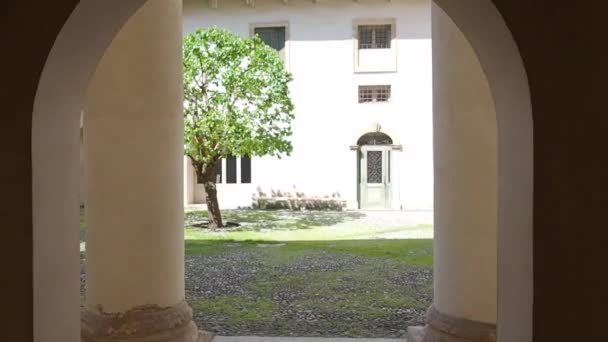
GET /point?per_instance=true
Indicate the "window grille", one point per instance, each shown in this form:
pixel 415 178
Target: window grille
pixel 381 93
pixel 375 36
pixel 374 167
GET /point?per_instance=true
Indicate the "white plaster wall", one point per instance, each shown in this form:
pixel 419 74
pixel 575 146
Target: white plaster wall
pixel 325 91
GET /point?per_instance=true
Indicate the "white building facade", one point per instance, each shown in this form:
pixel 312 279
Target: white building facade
pixel 362 91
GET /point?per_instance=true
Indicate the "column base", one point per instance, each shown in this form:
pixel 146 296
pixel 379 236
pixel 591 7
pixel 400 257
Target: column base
pixel 205 336
pixel 148 323
pixel 444 328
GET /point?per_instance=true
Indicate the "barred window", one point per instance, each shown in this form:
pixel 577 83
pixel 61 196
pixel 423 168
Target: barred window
pixel 378 93
pixel 375 36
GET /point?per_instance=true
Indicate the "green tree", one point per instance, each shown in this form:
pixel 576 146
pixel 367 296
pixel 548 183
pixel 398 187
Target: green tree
pixel 236 103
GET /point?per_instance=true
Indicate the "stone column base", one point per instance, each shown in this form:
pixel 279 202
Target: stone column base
pixel 444 328
pixel 205 336
pixel 148 323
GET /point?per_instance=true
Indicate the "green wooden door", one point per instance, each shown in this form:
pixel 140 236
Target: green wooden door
pixel 375 178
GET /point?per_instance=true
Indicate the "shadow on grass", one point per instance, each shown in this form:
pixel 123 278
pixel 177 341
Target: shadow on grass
pixel 263 220
pixel 416 252
pixel 276 220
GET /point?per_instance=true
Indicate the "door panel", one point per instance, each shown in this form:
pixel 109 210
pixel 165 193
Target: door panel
pixel 375 167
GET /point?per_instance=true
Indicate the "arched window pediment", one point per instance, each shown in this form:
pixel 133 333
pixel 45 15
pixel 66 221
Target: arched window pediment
pixel 375 138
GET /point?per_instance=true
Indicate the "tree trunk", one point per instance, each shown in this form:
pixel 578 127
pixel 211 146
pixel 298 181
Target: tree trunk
pixel 213 208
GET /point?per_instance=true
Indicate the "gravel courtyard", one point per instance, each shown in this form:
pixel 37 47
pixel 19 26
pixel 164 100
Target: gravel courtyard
pixel 315 274
pixel 248 290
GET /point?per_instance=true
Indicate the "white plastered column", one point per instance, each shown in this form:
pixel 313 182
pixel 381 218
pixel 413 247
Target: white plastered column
pixel 465 157
pixel 134 174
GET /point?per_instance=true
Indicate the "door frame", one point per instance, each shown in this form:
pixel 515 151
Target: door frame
pixel 387 176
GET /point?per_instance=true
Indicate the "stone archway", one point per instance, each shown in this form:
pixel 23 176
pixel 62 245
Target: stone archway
pixel 55 140
pixel 55 162
pixel 498 55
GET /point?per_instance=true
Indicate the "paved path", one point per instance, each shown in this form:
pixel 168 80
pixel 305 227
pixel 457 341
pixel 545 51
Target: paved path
pixel 397 218
pixel 300 339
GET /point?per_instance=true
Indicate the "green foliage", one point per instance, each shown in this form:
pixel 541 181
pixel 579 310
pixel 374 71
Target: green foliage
pixel 236 97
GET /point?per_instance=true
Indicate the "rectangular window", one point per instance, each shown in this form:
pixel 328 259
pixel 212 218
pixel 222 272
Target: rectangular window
pixel 377 93
pixel 274 36
pixel 375 45
pixel 218 172
pixel 245 170
pixel 231 170
pixel 375 36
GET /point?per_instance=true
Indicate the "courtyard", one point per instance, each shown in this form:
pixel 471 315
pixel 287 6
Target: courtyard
pixel 308 273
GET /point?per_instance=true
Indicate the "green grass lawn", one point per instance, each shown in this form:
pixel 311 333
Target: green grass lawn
pixel 417 252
